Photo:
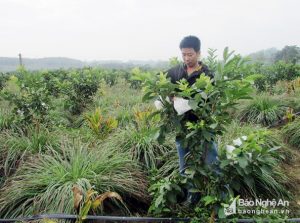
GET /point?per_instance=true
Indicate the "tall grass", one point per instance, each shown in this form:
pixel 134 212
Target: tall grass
pixel 19 144
pixel 141 144
pixel 263 109
pixel 44 183
pixel 118 101
pixel 291 133
pixel 234 130
pixel 6 119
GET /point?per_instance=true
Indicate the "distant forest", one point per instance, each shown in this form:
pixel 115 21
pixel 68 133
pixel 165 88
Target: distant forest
pixel 289 54
pixel 52 63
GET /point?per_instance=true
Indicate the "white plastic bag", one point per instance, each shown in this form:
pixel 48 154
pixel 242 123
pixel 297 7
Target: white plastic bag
pixel 181 105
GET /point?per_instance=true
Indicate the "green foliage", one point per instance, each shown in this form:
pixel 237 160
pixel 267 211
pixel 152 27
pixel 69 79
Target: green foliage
pixel 6 119
pixel 250 166
pixel 263 109
pixel 284 71
pixel 289 54
pixel 100 125
pixel 118 101
pixel 140 139
pixel 173 61
pixel 165 194
pixel 110 77
pixel 52 82
pixel 272 73
pixel 211 60
pixel 38 174
pixel 170 165
pixel 231 66
pixel 79 89
pixel 133 80
pixel 33 102
pixel 44 183
pixel 31 105
pixel 293 101
pixel 291 132
pixel 261 83
pixel 209 100
pixel 18 146
pixel 235 129
pixel 3 79
pixel 92 202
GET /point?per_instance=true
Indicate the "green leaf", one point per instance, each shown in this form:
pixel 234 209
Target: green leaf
pixel 208 200
pixel 221 213
pixel 148 96
pixel 194 190
pixel 236 186
pixel 207 135
pixel 243 162
pixel 191 134
pixel 172 198
pixel 203 95
pixel 224 163
pixel 160 200
pixel 249 181
pixel 85 209
pixel 213 126
pixel 166 210
pixel 193 104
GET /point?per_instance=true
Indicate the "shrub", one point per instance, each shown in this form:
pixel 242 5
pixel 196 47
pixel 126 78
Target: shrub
pixel 142 145
pixel 291 132
pixel 263 109
pixel 110 77
pixel 79 89
pixel 208 100
pixel 250 166
pixel 44 183
pixel 100 125
pixel 18 146
pixel 140 139
pixel 118 102
pixel 284 71
pixel 272 137
pixel 6 119
pixel 3 79
pixel 31 102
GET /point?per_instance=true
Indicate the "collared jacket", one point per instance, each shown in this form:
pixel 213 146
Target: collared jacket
pixel 180 71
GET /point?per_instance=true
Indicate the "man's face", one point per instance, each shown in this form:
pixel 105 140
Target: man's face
pixel 190 56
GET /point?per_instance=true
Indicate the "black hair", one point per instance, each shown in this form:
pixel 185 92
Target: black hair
pixel 190 42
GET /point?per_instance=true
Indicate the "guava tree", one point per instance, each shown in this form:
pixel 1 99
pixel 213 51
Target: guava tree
pixel 209 100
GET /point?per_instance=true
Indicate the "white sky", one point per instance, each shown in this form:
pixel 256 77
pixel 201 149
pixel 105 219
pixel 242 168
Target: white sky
pixel 143 29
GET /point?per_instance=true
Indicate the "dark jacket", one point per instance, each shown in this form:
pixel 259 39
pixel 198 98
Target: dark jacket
pixel 180 71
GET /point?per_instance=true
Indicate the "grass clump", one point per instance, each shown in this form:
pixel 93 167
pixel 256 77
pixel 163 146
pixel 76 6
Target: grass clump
pixel 263 109
pixel 44 183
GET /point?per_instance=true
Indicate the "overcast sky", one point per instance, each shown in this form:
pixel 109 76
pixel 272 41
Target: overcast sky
pixel 143 29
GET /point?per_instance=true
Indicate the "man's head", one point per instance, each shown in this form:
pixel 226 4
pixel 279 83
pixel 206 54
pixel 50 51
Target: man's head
pixel 190 50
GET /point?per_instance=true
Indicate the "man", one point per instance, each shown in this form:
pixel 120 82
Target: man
pixel 191 69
